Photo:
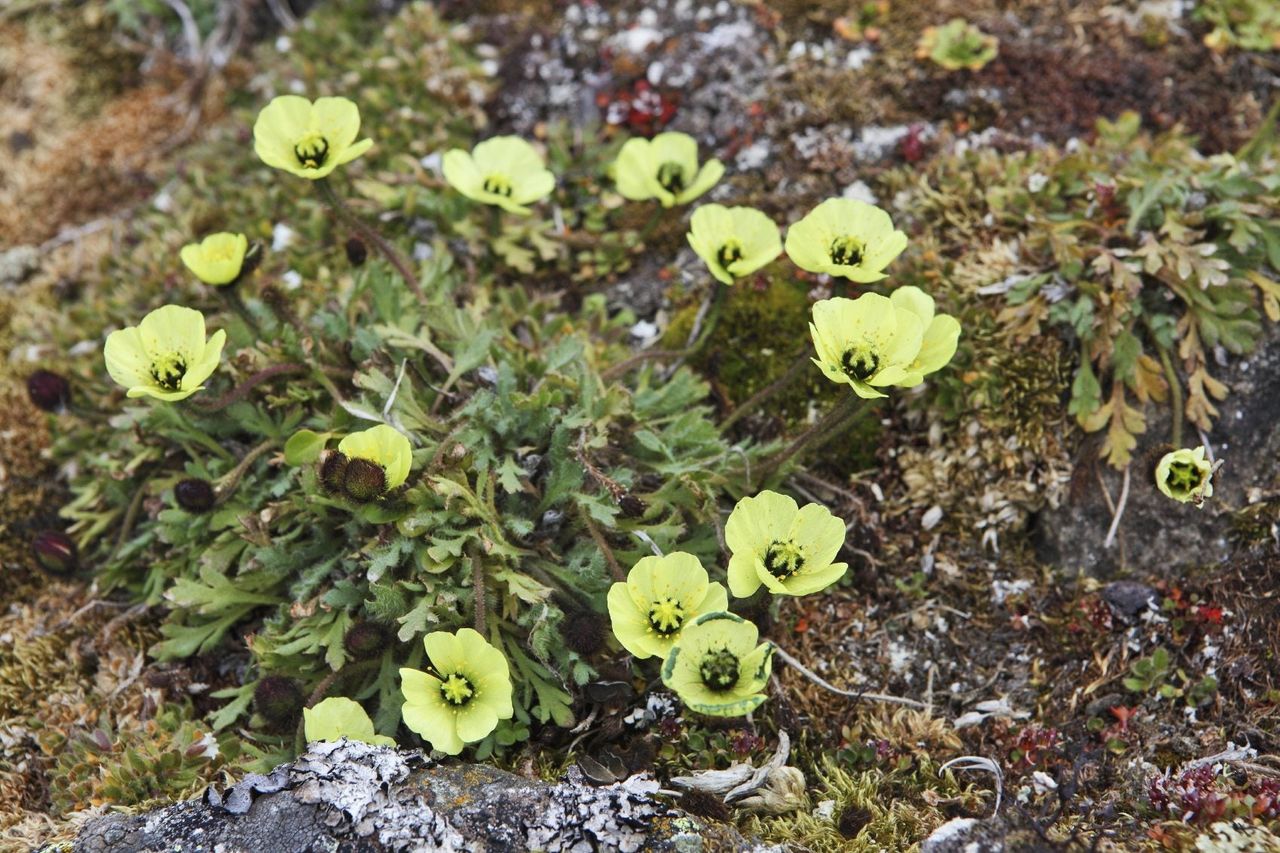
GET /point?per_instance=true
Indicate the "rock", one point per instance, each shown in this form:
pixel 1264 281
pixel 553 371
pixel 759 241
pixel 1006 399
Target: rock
pixel 1159 536
pixel 1129 599
pixel 993 835
pixel 354 796
pixel 17 264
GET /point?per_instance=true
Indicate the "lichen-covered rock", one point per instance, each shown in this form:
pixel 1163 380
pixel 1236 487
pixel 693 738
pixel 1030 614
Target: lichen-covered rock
pixel 993 835
pixel 353 796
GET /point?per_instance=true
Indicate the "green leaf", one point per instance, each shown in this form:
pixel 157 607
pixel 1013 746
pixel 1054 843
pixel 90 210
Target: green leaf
pixel 304 446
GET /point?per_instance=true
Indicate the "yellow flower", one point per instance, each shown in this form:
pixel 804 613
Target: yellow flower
pixel 843 236
pixel 717 668
pixel 734 241
pixel 166 355
pixel 1186 476
pixel 504 170
pixel 218 258
pixel 308 139
pixel 464 700
pixel 787 549
pixel 339 717
pixel 941 334
pixel 868 342
pixel 660 596
pixel 665 168
pixel 373 462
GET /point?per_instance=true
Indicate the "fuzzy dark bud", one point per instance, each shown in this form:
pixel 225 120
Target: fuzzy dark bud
pixel 631 506
pixel 332 470
pixel 252 258
pixel 365 640
pixel 363 480
pixel 705 804
pixel 357 252
pixel 48 391
pixel 55 552
pixel 583 632
pixel 278 699
pixel 194 495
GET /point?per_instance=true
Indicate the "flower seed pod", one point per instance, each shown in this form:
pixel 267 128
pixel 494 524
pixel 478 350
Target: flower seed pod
pixel 357 252
pixel 278 699
pixel 48 391
pixel 332 470
pixel 55 552
pixel 194 495
pixel 362 481
pixel 365 640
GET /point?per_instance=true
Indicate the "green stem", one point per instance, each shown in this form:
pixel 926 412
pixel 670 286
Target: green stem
pixel 785 380
pixel 478 594
pixel 718 298
pixel 658 215
pixel 242 390
pixel 233 299
pixel 369 235
pixel 228 482
pixel 1175 396
pixel 840 416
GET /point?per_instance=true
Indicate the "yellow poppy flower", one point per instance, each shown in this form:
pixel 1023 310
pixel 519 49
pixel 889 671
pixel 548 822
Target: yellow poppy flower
pixel 373 462
pixel 217 259
pixel 660 596
pixel 717 668
pixel 339 717
pixel 941 334
pixel 790 550
pixel 866 342
pixel 1186 475
pixel 505 171
pixel 844 236
pixel 665 168
pixel 165 356
pixel 734 241
pixel 308 139
pixel 465 698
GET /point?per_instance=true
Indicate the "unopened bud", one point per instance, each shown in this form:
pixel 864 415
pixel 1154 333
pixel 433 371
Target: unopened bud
pixel 631 506
pixel 357 252
pixel 194 495
pixel 583 632
pixel 48 390
pixel 55 552
pixel 278 699
pixel 332 469
pixel 365 640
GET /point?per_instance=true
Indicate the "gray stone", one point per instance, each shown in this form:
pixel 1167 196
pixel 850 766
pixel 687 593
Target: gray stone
pixel 355 797
pixel 1129 599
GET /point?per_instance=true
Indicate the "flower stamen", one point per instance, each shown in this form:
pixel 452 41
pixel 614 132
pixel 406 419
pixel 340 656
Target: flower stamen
pixel 671 177
pixel 783 559
pixel 719 670
pixel 167 371
pixel 666 616
pixel 859 364
pixel 846 251
pixel 730 253
pixel 312 151
pixel 456 690
pixel 498 185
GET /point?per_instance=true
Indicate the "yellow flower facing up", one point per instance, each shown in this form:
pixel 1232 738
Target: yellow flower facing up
pixel 788 549
pixel 1186 475
pixel 308 139
pixel 941 334
pixel 868 342
pixel 847 237
pixel 665 168
pixel 217 259
pixel 505 171
pixel 369 463
pixel 717 668
pixel 660 596
pixel 166 355
pixel 465 698
pixel 339 717
pixel 734 241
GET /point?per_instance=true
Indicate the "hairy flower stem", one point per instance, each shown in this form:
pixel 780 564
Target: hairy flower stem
pixel 834 422
pixel 615 568
pixel 784 381
pixel 242 390
pixel 478 594
pixel 228 482
pixel 1175 396
pixel 232 298
pixel 370 236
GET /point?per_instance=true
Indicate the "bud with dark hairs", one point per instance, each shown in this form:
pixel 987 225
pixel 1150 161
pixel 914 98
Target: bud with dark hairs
pixel 357 252
pixel 278 699
pixel 366 640
pixel 55 552
pixel 194 495
pixel 48 390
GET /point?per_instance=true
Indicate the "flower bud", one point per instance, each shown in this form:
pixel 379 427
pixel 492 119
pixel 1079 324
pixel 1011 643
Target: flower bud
pixel 357 252
pixel 583 632
pixel 332 469
pixel 363 480
pixel 631 506
pixel 278 699
pixel 365 640
pixel 55 552
pixel 194 495
pixel 48 390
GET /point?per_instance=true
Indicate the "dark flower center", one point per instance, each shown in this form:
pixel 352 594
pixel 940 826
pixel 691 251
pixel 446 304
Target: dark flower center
pixel 456 690
pixel 783 559
pixel 846 251
pixel 1183 477
pixel 666 616
pixel 312 151
pixel 167 372
pixel 497 185
pixel 860 364
pixel 671 177
pixel 730 252
pixel 363 480
pixel 719 670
